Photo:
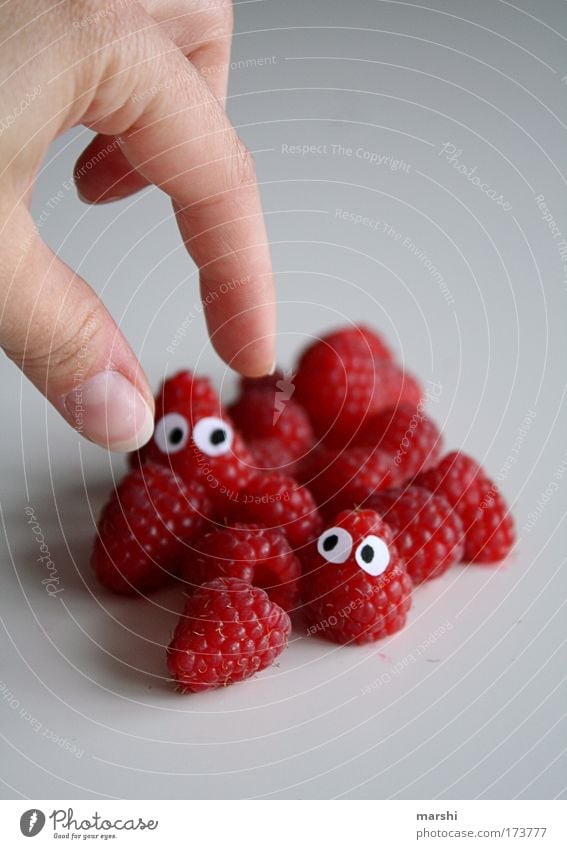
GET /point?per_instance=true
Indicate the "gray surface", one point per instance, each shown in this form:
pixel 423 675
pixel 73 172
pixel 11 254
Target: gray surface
pixel 479 710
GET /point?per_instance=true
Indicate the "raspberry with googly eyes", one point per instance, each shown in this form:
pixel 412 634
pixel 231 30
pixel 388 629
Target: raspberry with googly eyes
pixel 188 392
pixel 171 433
pixel 181 401
pixel 216 455
pixel 213 436
pixel 355 586
pixel 428 532
pixel 196 439
pixel 335 545
pixel 373 555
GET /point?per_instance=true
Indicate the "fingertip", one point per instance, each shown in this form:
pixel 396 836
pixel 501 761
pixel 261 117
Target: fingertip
pixel 110 411
pixel 255 364
pixel 99 201
pixel 255 358
pixel 102 173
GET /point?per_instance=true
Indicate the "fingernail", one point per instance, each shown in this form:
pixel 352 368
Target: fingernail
pixel 109 199
pixel 97 202
pixel 108 410
pixel 273 369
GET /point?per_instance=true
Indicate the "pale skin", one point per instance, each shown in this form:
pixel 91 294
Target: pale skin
pixel 137 73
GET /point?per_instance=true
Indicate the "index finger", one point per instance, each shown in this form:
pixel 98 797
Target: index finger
pixel 183 142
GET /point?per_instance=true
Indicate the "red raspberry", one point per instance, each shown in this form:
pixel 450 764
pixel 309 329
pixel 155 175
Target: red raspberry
pixel 197 440
pixel 228 632
pixel 396 386
pixel 355 586
pixel 251 553
pixel 406 434
pixel 144 528
pixel 224 466
pixel 487 522
pixel 263 414
pixel 276 501
pixel 185 391
pixel 341 381
pixel 341 480
pixel 271 455
pixel 428 532
pixel 268 381
pixel 359 337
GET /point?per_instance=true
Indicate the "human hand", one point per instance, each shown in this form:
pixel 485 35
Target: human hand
pixel 131 72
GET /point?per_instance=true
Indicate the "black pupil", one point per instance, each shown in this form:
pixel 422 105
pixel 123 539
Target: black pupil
pixel 176 435
pixel 218 436
pixel 330 542
pixel 367 553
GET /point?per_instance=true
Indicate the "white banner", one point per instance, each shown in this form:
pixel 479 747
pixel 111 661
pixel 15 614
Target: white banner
pixel 285 824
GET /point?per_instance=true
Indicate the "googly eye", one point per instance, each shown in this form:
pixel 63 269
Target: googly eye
pixel 213 436
pixel 372 555
pixel 335 545
pixel 171 433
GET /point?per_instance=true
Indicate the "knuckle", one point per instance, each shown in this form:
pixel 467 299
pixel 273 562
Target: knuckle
pixel 87 14
pixel 243 165
pixel 217 25
pixel 70 354
pixel 227 15
pixel 223 11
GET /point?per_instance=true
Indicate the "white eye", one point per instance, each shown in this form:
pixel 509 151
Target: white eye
pixel 372 555
pixel 335 545
pixel 172 433
pixel 213 436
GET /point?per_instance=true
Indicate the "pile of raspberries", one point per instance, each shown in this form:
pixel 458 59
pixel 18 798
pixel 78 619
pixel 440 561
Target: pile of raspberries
pixel 324 493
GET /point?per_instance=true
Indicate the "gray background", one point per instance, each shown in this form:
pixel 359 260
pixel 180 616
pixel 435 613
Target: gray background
pixel 468 700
